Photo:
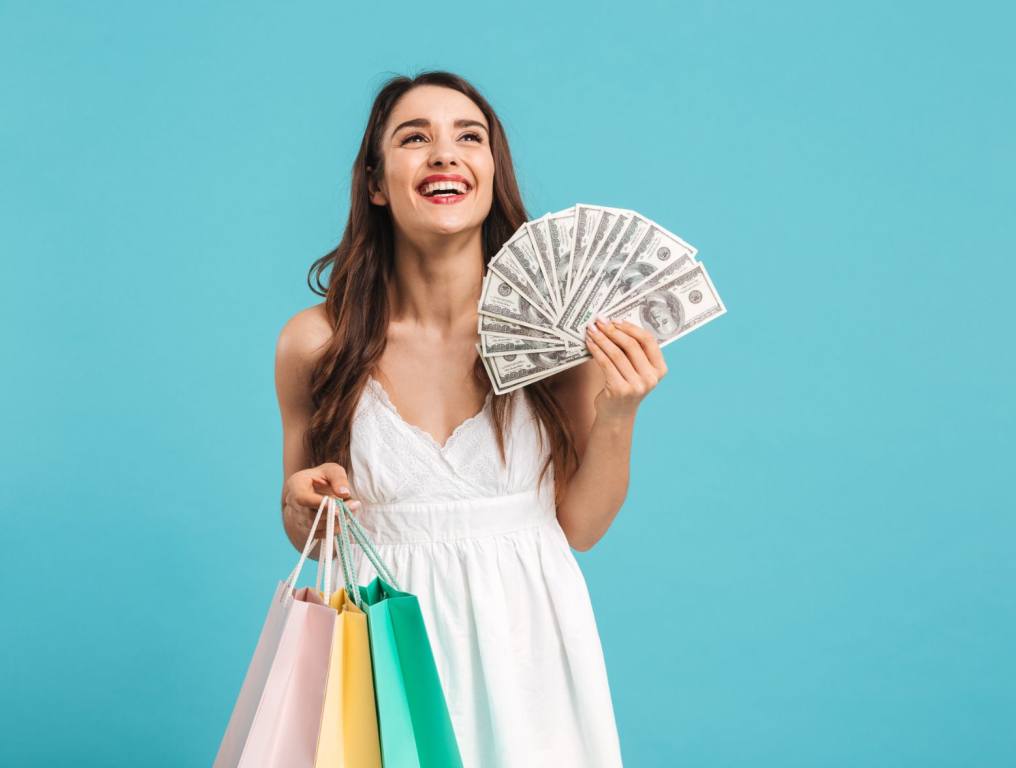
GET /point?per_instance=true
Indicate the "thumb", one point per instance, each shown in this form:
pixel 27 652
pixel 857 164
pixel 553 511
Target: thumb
pixel 336 480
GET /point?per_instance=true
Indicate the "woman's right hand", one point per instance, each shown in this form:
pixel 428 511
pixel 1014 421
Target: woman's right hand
pixel 304 491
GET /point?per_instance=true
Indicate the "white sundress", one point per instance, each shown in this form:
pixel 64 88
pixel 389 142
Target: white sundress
pixel 504 601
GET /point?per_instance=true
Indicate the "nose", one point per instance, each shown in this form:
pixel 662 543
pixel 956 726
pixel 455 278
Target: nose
pixel 443 153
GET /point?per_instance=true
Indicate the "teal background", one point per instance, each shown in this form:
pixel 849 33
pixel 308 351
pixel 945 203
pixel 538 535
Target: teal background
pixel 815 562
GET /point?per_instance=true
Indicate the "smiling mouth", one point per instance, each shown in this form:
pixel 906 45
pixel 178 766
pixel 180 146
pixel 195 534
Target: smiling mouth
pixel 443 189
pixel 444 192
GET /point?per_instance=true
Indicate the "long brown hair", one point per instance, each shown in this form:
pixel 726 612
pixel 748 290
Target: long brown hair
pixel 356 294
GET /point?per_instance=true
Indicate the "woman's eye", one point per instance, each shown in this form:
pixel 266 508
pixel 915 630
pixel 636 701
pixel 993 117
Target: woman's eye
pixel 407 139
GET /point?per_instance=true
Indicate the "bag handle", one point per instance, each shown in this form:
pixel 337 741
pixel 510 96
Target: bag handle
pixel 344 547
pixel 352 525
pixel 317 580
pixel 348 524
pixel 367 546
pixel 330 538
pixel 295 573
pixel 322 560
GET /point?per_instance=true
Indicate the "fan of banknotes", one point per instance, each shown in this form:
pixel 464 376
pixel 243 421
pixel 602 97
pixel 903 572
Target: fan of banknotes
pixel 557 273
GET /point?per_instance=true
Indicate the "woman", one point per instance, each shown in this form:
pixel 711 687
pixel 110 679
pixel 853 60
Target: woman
pixel 472 499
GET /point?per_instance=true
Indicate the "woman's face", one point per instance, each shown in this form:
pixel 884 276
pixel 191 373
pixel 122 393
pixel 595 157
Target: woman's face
pixel 446 135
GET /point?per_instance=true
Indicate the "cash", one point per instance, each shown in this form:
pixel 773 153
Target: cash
pixel 555 274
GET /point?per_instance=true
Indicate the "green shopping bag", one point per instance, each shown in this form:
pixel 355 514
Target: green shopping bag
pixel 413 722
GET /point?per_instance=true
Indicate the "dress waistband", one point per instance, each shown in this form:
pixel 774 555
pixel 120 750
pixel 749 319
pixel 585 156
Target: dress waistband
pixel 410 522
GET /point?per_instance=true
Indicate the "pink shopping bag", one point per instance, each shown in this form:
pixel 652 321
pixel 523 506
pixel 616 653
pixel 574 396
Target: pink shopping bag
pixel 277 714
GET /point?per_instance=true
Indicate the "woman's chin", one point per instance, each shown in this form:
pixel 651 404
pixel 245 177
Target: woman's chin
pixel 449 223
pixel 452 229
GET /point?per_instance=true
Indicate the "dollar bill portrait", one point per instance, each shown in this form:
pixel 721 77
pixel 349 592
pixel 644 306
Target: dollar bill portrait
pixel 634 274
pixel 613 265
pixel 662 314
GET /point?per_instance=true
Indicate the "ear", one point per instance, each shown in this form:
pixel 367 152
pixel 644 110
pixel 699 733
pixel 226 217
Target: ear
pixel 377 196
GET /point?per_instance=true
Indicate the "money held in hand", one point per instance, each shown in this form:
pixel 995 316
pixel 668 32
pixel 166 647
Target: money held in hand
pixel 554 275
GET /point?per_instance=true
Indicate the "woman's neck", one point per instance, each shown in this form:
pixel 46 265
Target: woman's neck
pixel 436 284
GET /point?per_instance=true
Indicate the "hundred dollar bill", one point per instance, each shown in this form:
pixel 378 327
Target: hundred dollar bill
pixel 521 247
pixel 508 372
pixel 586 217
pixel 605 232
pixel 500 299
pixel 682 264
pixel 674 308
pixel 504 265
pixel 490 371
pixel 601 269
pixel 539 234
pixel 657 249
pixel 493 344
pixel 499 327
pixel 561 228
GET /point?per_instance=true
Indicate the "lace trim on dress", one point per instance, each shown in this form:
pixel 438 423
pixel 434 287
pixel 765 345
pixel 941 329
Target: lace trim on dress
pixel 382 394
pixel 394 461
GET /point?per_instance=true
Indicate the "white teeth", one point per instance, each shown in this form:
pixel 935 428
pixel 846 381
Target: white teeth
pixel 458 186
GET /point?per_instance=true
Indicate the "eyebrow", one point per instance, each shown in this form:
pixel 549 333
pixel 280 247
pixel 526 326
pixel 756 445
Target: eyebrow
pixel 422 122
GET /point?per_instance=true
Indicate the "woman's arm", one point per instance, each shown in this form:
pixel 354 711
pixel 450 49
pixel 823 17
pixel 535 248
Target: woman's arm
pixel 600 398
pixel 298 346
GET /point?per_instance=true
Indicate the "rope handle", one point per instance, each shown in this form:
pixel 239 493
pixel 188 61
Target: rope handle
pixel 352 591
pixel 330 539
pixel 366 545
pixel 348 524
pixel 295 573
pixel 320 567
pixel 325 559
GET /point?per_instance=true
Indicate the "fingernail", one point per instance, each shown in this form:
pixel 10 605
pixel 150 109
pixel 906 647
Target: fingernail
pixel 343 489
pixel 353 504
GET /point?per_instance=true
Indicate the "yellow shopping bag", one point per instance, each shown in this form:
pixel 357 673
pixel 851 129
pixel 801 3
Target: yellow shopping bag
pixel 348 734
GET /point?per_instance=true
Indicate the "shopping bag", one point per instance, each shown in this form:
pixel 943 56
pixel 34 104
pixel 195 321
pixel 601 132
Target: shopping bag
pixel 277 715
pixel 348 734
pixel 413 721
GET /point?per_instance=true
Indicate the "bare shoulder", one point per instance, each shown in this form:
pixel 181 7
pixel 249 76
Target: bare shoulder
pixel 301 341
pixel 303 337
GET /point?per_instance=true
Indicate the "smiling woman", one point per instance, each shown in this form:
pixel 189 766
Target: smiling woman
pixel 472 498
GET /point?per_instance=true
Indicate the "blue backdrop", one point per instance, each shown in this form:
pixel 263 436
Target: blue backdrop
pixel 814 565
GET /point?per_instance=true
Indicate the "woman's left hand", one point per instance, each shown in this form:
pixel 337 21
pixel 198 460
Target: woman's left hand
pixel 632 365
